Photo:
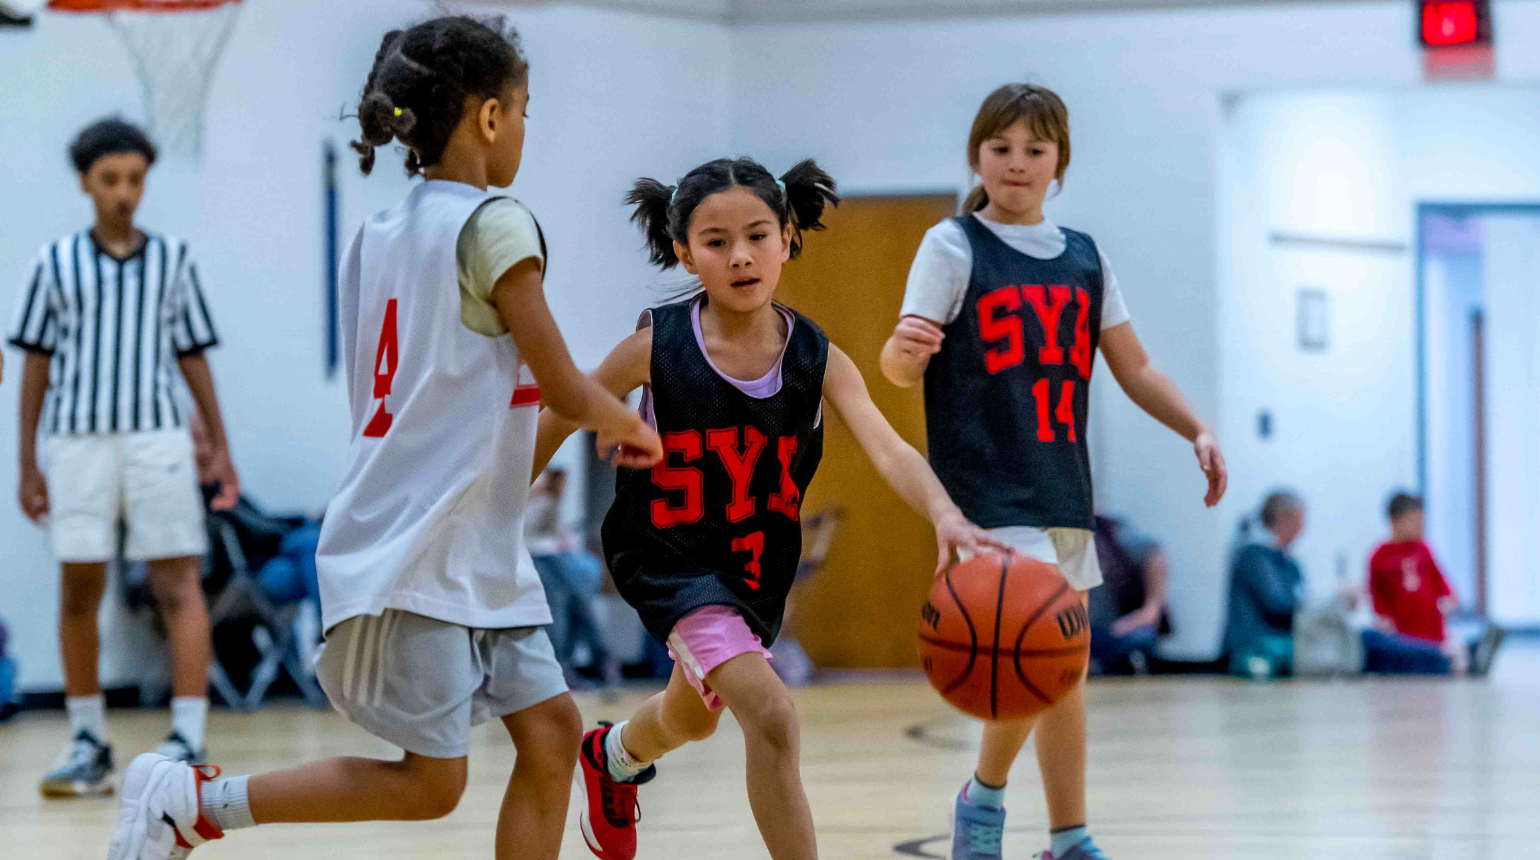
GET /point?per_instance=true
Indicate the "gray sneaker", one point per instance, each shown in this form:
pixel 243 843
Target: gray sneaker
pixel 1085 849
pixel 176 748
pixel 1484 650
pixel 84 770
pixel 977 831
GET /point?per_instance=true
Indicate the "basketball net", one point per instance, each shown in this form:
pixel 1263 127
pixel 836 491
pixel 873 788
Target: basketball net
pixel 175 45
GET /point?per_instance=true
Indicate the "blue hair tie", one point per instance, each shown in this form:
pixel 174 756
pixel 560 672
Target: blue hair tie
pixel 782 185
pixel 674 195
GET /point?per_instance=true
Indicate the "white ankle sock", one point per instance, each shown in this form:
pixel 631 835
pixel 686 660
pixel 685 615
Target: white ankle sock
pixel 188 716
pixel 88 714
pixel 622 767
pixel 224 802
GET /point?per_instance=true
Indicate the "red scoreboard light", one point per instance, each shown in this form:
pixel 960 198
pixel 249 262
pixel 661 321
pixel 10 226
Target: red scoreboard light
pixel 1456 38
pixel 1454 23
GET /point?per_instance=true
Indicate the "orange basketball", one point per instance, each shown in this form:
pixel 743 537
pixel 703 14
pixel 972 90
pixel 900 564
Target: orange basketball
pixel 1003 636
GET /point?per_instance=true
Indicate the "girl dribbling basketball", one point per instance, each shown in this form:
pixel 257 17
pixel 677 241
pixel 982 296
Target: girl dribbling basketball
pixel 1005 311
pixel 705 545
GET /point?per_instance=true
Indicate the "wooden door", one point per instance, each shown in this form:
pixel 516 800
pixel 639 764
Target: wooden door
pixel 861 609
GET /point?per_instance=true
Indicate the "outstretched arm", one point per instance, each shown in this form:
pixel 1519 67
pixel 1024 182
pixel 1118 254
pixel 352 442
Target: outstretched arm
pixel 897 461
pixel 1155 393
pixel 520 299
pixel 628 366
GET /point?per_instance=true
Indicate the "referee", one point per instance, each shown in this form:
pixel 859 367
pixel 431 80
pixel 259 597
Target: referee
pixel 106 318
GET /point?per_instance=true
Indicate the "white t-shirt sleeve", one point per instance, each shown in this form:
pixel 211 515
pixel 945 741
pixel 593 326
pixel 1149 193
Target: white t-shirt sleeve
pixel 498 237
pixel 938 279
pixel 1114 309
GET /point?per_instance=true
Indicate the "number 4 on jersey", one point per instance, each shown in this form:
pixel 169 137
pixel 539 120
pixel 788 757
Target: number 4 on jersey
pixel 386 357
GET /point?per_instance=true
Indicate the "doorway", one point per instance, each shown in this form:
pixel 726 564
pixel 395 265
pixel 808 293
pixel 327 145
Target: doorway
pixel 1478 312
pixel 860 610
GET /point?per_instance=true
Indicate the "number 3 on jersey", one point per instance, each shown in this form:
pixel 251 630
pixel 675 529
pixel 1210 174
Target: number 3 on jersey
pixel 754 545
pixel 386 357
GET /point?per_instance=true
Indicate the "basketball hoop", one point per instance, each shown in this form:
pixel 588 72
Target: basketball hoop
pixel 175 45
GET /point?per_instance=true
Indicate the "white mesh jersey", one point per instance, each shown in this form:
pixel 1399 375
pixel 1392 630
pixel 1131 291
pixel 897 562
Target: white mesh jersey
pixel 429 517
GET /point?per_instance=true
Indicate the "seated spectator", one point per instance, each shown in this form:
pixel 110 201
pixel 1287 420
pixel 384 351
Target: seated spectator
pixel 571 577
pixel 1410 595
pixel 1267 596
pixel 1266 589
pixel 1409 591
pixel 1128 611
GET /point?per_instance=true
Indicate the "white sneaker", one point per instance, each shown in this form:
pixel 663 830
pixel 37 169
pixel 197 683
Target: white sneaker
pixel 161 817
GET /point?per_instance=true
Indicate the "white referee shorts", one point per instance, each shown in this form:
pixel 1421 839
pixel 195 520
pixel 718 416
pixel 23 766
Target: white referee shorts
pixel 147 480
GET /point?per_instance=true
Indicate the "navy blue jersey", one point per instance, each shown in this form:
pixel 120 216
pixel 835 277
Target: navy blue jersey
pixel 718 521
pixel 1007 397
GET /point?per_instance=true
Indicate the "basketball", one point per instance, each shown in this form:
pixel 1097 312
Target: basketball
pixel 1003 636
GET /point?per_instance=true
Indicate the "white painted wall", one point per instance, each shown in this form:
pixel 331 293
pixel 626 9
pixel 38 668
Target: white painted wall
pixel 1353 165
pixel 886 107
pixel 613 97
pixel 1344 428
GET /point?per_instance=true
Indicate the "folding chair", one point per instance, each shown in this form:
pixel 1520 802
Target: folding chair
pixel 274 636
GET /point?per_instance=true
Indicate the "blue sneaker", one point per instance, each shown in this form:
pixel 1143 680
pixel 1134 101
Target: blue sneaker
pixel 976 831
pixel 1085 849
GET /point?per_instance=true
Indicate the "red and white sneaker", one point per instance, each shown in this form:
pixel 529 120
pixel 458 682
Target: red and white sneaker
pixel 610 810
pixel 161 817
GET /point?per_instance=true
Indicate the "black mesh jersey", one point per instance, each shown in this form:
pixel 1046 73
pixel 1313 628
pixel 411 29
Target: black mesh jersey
pixel 717 522
pixel 1006 398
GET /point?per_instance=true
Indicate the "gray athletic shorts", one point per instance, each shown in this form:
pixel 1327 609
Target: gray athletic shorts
pixel 421 683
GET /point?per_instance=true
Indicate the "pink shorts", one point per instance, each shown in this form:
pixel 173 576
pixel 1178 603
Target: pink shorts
pixel 707 638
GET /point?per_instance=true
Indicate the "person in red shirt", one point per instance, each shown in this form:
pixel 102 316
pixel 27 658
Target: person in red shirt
pixel 1411 596
pixel 1409 591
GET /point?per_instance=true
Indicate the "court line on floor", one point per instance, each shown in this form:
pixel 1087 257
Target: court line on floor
pixel 918 847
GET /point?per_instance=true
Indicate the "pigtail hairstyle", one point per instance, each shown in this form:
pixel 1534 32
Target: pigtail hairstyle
pixel 421 78
pixel 663 212
pixel 808 189
pixel 653 200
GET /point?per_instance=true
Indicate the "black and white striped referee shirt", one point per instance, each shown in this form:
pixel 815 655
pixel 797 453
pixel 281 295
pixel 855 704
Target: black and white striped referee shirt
pixel 113 329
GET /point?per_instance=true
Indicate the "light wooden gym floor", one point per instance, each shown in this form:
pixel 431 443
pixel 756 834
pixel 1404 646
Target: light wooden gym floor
pixel 1203 768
